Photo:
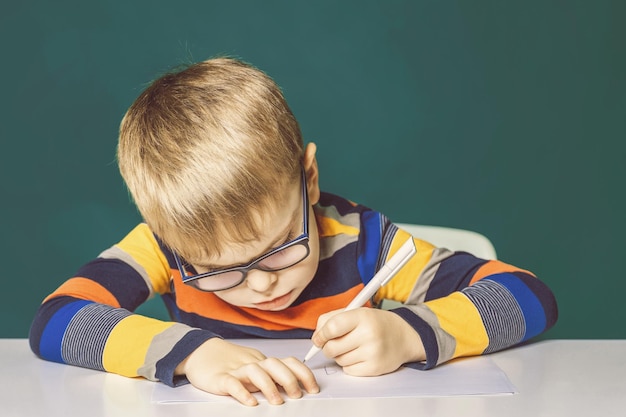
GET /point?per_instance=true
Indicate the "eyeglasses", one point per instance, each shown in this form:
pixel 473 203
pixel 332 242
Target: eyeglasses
pixel 282 257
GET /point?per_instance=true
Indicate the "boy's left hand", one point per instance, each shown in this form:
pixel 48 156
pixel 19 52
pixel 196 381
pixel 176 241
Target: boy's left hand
pixel 368 341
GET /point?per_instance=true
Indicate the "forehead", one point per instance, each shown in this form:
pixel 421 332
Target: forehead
pixel 274 222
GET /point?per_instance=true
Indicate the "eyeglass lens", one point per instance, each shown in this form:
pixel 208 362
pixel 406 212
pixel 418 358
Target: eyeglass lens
pixel 282 259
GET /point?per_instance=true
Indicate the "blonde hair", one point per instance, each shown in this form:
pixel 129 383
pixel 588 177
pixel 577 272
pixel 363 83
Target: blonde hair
pixel 207 149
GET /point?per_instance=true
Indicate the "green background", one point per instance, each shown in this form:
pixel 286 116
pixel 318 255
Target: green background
pixel 508 118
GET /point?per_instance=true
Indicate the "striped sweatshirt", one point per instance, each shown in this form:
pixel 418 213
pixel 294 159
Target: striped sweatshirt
pixel 460 305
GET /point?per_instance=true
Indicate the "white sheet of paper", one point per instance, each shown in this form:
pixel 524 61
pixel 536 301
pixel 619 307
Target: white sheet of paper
pixel 470 376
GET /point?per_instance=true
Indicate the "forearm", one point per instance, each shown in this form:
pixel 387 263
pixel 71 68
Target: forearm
pixel 98 336
pixel 494 313
pixel 87 321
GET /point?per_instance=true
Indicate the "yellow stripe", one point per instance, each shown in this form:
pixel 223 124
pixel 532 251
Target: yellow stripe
pixel 400 287
pixel 459 317
pixel 331 227
pixel 128 343
pixel 141 245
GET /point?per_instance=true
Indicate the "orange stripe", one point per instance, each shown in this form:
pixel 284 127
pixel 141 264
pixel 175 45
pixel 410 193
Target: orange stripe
pixel 495 267
pixel 85 289
pixel 302 316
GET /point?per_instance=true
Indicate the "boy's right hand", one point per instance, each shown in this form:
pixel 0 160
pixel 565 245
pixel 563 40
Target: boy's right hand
pixel 220 367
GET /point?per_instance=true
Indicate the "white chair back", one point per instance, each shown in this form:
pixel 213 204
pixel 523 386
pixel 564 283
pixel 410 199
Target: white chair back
pixel 453 239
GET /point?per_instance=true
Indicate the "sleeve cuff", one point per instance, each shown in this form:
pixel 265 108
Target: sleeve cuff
pixel 426 333
pixel 183 348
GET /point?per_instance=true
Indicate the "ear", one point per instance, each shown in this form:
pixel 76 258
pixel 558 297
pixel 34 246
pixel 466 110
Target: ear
pixel 312 173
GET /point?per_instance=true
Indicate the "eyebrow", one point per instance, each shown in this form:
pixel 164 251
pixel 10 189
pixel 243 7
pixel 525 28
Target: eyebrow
pixel 282 237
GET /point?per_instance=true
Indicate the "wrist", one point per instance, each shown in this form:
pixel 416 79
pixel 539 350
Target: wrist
pixel 181 368
pixel 426 333
pixel 411 341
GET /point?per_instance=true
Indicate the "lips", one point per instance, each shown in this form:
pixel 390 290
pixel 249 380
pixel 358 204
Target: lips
pixel 274 304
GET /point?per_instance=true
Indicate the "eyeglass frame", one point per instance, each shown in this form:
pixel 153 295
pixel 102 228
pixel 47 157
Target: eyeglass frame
pixel 303 240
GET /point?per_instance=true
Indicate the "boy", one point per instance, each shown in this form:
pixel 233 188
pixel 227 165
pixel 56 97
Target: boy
pixel 240 242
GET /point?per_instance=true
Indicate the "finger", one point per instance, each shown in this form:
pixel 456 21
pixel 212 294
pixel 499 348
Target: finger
pixel 255 375
pixel 303 374
pixel 365 368
pixel 282 374
pixel 361 362
pixel 235 388
pixel 321 320
pixel 318 338
pixel 336 326
pixel 357 369
pixel 348 357
pixel 339 348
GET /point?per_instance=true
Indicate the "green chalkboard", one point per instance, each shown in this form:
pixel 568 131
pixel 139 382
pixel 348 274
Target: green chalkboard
pixel 508 118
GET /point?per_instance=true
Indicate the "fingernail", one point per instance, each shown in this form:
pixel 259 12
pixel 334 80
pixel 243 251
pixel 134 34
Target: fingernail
pixel 277 400
pixel 295 394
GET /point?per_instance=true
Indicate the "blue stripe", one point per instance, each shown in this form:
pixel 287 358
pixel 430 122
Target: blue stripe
pixel 166 366
pixel 453 273
pixel 50 346
pixel 239 331
pixel 369 245
pixel 531 307
pixel 119 278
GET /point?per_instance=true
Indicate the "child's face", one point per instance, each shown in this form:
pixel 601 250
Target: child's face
pixel 277 290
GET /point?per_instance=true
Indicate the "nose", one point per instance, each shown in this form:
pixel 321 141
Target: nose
pixel 260 281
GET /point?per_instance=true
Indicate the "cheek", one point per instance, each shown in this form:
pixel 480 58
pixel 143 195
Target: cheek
pixel 234 296
pixel 314 247
pixel 308 268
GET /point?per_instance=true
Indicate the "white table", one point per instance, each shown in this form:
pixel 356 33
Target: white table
pixel 553 378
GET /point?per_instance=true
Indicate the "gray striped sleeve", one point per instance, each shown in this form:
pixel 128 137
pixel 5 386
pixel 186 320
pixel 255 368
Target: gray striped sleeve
pixel 87 333
pixel 500 312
